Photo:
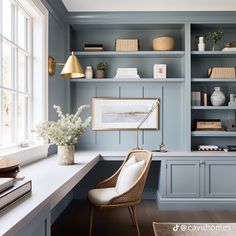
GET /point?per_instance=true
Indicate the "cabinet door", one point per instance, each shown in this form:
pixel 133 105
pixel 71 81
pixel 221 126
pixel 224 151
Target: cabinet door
pixel 220 179
pixel 39 225
pixel 183 179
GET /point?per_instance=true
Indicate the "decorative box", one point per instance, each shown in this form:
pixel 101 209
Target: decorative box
pixel 127 45
pixel 221 72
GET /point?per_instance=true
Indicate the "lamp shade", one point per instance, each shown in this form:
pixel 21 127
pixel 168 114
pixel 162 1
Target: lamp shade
pixel 72 68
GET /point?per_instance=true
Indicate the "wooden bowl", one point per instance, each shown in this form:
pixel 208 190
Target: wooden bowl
pixel 163 44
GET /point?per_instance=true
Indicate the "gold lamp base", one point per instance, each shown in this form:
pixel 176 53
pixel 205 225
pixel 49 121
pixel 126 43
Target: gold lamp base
pixel 161 146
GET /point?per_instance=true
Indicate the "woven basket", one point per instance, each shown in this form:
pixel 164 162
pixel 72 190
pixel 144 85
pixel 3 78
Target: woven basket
pixel 163 44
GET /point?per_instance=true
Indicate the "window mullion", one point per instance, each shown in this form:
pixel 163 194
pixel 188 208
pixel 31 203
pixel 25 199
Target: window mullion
pixel 14 96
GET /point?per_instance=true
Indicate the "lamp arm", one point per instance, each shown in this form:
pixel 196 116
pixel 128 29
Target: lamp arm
pixel 154 106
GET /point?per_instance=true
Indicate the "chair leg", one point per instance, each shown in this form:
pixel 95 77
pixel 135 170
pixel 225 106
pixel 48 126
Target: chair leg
pixel 135 219
pixel 91 221
pixel 131 215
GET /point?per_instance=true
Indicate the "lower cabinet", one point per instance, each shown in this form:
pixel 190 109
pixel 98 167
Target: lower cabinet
pixel 220 179
pixel 183 179
pixel 39 225
pixel 201 178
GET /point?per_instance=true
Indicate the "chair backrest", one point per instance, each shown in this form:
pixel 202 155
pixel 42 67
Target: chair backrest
pixel 137 189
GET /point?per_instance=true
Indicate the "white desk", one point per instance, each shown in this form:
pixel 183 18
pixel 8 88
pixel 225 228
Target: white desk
pixel 50 183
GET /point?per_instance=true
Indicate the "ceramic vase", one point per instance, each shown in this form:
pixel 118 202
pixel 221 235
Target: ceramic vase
pixel 66 154
pixel 217 97
pixel 201 44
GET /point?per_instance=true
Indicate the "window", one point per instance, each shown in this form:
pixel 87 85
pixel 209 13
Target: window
pixel 23 79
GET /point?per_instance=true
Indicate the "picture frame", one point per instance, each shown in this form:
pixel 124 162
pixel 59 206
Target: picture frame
pixel 124 113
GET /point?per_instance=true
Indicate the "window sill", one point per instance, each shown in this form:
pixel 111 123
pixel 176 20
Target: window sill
pixel 28 154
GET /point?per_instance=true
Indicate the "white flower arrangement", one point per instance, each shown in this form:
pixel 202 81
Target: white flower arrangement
pixel 66 130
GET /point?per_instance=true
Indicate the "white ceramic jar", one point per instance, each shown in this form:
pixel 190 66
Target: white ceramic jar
pixel 89 72
pixel 217 97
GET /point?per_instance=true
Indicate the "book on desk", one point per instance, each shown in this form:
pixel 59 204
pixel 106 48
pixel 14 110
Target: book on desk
pixel 12 193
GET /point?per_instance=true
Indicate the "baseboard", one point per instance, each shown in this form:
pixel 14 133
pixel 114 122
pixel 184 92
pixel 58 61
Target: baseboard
pixel 197 204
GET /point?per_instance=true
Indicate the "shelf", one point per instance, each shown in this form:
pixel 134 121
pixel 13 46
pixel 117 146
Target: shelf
pixel 112 80
pixel 214 53
pixel 206 80
pixel 213 134
pixel 162 54
pixel 213 108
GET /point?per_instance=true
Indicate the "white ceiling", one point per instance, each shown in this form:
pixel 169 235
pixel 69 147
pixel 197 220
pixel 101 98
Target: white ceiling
pixel 150 5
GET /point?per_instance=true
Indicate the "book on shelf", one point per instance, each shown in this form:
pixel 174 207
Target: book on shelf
pixel 91 47
pixel 127 73
pixel 6 183
pixel 18 191
pixel 196 99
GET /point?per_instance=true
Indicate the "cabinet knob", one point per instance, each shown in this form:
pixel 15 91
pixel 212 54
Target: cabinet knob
pixel 201 162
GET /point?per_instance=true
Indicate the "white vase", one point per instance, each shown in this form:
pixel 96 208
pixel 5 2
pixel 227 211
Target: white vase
pixel 66 154
pixel 217 97
pixel 201 44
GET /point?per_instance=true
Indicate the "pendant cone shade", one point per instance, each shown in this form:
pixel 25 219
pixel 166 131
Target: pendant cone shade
pixel 72 68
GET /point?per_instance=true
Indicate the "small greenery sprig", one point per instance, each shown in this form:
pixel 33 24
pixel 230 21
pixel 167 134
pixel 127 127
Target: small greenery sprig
pixel 101 66
pixel 215 36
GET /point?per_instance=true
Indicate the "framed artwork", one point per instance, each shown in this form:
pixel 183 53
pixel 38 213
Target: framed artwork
pixel 123 113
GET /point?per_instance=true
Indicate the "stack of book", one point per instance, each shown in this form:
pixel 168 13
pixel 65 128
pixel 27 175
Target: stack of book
pixel 90 47
pixel 230 46
pixel 12 190
pixel 127 73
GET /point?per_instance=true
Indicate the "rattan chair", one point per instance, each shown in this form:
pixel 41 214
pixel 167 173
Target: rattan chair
pixel 132 196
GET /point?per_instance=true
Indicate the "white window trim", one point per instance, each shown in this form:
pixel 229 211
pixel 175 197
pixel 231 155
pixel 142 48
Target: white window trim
pixel 38 150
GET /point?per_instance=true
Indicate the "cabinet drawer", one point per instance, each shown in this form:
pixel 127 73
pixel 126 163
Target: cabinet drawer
pixel 220 179
pixel 183 179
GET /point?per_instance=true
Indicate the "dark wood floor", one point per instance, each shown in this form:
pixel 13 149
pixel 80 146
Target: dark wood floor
pixel 116 222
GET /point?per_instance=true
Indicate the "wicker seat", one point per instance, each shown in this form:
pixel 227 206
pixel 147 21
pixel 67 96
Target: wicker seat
pixel 109 198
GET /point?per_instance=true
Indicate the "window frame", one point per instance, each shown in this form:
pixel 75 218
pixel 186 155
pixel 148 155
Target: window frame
pixel 37 66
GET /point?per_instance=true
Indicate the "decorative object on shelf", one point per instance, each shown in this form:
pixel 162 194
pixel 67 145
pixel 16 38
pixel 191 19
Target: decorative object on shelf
pixel 163 44
pixel 100 72
pixel 89 72
pixel 127 45
pixel 231 125
pixel 208 125
pixel 71 69
pixel 201 44
pixel 232 101
pixel 230 46
pixel 222 72
pixel 64 132
pixel 196 99
pixel 205 99
pixel 123 113
pixel 217 97
pixel 159 71
pixel 230 148
pixel 127 73
pixel 214 37
pixel 209 148
pixel 92 47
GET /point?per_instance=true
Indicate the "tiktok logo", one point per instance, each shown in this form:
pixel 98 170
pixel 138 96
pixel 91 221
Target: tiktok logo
pixel 175 228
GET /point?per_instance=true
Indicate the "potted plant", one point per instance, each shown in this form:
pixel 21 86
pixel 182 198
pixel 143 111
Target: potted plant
pixel 101 66
pixel 214 37
pixel 64 132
